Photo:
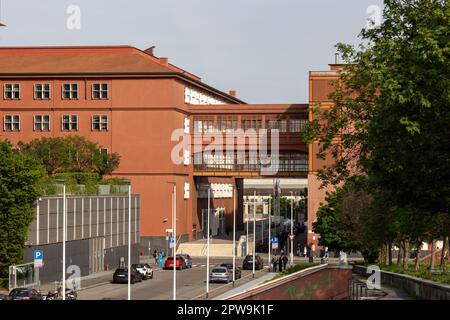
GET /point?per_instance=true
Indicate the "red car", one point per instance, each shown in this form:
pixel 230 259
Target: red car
pixel 180 264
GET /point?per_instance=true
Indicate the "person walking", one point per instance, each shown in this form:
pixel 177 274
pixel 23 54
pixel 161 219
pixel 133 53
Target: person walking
pixel 285 261
pixel 155 256
pixel 274 263
pixel 280 263
pixel 304 251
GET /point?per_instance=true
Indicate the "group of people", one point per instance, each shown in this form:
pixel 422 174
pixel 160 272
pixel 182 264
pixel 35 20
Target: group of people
pixel 158 256
pixel 279 262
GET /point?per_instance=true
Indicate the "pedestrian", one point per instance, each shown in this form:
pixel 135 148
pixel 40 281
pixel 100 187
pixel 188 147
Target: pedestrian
pixel 285 261
pixel 155 256
pixel 274 263
pixel 326 252
pixel 280 263
pixel 304 251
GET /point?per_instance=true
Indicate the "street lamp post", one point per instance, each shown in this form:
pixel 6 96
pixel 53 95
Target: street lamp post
pixel 64 243
pixel 234 235
pixel 129 241
pixel 174 237
pixel 292 229
pixel 270 240
pixel 254 233
pixel 207 255
pixel 246 238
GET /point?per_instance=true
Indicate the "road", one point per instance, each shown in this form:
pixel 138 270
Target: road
pixel 191 284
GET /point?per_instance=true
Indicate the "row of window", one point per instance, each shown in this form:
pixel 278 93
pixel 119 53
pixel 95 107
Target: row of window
pixel 230 125
pixel 42 91
pixel 41 122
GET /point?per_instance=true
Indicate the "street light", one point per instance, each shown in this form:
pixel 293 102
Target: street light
pixel 63 181
pixel 254 232
pixel 292 229
pixel 129 241
pixel 174 236
pixel 270 239
pixel 207 239
pixel 234 235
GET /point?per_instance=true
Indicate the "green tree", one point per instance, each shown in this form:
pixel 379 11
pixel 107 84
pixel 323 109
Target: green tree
pixel 19 188
pixel 71 154
pixel 391 114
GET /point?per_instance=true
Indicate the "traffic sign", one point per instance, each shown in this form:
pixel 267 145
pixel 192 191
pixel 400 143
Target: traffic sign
pixel 38 255
pixel 38 258
pixel 171 242
pixel 274 240
pixel 291 237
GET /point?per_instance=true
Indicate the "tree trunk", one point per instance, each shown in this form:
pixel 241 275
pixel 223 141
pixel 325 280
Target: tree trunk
pixel 389 253
pixel 405 254
pixel 444 251
pixel 382 256
pixel 399 255
pixel 432 259
pixel 416 267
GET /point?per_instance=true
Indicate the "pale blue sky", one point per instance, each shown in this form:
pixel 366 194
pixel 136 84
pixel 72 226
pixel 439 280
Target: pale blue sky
pixel 261 48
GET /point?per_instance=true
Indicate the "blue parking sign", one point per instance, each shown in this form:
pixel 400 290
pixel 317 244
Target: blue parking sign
pixel 274 240
pixel 38 255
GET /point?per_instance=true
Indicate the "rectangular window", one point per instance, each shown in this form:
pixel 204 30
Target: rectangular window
pixel 281 125
pixel 99 123
pixel 297 125
pixel 227 123
pixel 70 91
pixel 203 126
pixel 42 91
pixel 42 122
pixel 11 123
pixel 69 122
pixel 11 91
pixel 254 124
pixel 99 91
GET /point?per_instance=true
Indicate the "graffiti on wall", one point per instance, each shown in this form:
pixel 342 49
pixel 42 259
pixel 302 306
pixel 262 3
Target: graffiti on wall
pixel 306 292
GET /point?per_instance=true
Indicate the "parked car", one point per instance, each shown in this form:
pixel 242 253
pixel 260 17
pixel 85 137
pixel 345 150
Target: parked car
pixel 187 259
pixel 149 271
pixel 180 263
pixel 25 294
pixel 247 264
pixel 143 270
pixel 121 275
pixel 229 266
pixel 221 274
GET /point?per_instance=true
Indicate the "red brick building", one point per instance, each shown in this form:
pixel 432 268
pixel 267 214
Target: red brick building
pixel 131 102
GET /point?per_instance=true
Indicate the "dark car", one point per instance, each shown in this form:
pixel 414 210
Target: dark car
pixel 248 263
pixel 229 265
pixel 25 294
pixel 121 275
pixel 180 264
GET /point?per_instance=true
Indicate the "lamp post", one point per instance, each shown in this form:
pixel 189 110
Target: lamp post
pixel 129 241
pixel 207 254
pixel 174 237
pixel 246 238
pixel 292 229
pixel 234 235
pixel 254 232
pixel 270 239
pixel 64 239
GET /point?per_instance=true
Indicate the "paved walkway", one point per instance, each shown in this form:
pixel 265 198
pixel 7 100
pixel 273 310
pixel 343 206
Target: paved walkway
pixel 385 293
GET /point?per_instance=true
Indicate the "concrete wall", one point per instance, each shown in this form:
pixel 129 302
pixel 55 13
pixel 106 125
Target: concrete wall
pixel 419 288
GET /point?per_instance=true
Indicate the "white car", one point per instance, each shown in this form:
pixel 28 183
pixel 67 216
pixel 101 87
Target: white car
pixel 145 270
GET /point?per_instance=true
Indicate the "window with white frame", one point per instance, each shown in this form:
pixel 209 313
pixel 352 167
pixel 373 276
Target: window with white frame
pixel 42 122
pixel 99 91
pixel 297 125
pixel 70 91
pixel 11 123
pixel 279 124
pixel 11 91
pixel 99 123
pixel 69 122
pixel 42 91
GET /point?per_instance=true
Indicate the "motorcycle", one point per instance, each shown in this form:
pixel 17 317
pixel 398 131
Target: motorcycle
pixel 57 294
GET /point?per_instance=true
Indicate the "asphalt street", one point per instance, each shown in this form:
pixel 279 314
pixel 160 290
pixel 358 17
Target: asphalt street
pixel 191 284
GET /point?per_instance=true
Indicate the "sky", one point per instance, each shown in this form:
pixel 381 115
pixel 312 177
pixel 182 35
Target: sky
pixel 261 48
